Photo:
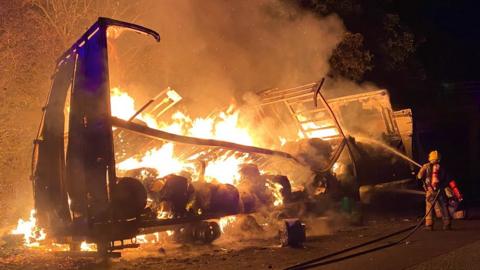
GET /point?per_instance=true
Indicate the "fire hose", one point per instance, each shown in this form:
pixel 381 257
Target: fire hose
pixel 316 94
pixel 320 261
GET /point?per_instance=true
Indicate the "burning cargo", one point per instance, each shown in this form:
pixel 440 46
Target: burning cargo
pixel 105 171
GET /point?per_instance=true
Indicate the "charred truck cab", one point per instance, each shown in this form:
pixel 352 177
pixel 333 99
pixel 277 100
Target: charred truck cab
pixel 77 194
pixel 76 191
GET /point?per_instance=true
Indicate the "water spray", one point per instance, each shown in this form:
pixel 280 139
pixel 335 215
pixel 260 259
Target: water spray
pixel 389 148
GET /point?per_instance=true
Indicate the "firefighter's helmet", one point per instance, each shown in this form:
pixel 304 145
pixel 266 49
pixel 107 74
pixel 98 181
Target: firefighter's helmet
pixel 434 156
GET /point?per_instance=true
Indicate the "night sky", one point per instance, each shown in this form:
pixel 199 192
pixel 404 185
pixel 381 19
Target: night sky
pixel 446 109
pixel 451 31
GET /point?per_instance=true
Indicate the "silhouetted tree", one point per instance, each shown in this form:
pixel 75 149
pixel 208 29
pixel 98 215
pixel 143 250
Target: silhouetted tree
pixel 350 59
pixel 377 44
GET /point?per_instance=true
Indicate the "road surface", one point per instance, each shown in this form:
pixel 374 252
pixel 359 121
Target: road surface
pixel 456 249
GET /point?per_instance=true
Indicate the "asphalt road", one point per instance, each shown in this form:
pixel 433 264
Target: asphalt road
pixel 425 250
pixel 422 247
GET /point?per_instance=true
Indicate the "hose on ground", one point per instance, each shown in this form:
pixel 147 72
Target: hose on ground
pixel 320 261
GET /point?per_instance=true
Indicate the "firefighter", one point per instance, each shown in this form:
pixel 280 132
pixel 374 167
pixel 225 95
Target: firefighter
pixel 435 180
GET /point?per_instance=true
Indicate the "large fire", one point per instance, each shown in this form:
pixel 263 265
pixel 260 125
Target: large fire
pixel 224 125
pixel 224 168
pixel 169 163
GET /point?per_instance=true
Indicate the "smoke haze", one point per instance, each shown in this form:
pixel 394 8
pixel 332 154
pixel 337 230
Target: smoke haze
pixel 214 50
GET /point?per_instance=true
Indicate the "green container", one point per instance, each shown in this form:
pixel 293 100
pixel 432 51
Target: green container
pixel 346 205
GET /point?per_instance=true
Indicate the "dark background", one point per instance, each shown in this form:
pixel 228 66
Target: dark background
pixel 447 111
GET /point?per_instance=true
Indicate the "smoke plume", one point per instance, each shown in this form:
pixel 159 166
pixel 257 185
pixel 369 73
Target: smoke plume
pixel 213 51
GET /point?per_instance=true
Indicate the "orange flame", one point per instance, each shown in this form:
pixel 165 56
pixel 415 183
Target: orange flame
pixel 84 246
pixel 224 222
pixel 275 188
pixel 222 126
pixel 32 234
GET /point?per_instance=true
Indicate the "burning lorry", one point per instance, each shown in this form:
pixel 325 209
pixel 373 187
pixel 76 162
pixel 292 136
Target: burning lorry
pixel 106 176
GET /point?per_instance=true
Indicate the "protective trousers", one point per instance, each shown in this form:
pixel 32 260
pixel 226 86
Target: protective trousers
pixel 440 205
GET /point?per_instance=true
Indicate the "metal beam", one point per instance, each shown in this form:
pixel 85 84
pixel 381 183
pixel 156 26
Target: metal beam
pixel 166 136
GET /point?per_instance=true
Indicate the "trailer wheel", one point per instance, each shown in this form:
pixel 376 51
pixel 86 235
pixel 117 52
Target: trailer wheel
pixel 210 232
pixel 201 233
